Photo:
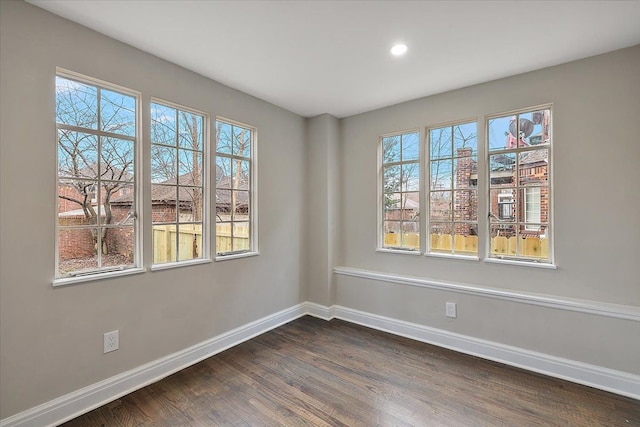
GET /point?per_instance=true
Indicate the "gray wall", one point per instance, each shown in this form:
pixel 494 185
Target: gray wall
pixel 51 338
pixel 596 167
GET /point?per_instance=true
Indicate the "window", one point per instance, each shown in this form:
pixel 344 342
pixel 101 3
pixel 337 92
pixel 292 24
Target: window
pixel 400 169
pixel 97 141
pixel 235 188
pixel 453 189
pixel 519 150
pixel 178 183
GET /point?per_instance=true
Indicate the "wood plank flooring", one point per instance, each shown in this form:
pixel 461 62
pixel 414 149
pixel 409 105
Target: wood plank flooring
pixel 317 373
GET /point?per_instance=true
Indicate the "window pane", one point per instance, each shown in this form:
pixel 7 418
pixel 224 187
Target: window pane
pixel 190 171
pixel 77 250
pixel 189 241
pixel 163 203
pixel 240 178
pixel 241 236
pixel 241 205
pixel 441 174
pixel 72 196
pixel 223 205
pixel 223 135
pixel 440 206
pixel 241 142
pixel 502 205
pixel 535 127
pixel 223 172
pixel 465 139
pixel 536 205
pixel 440 143
pixel 163 125
pixel 410 205
pixel 498 133
pixel 533 242
pixel 410 235
pixel 410 177
pixel 119 245
pixel 503 240
pixel 164 164
pixel 117 113
pixel 392 178
pixel 223 237
pixel 533 167
pixel 391 149
pixel 77 154
pixel 120 199
pixel 116 157
pixel 466 172
pixel 190 130
pixel 76 103
pixel 392 234
pixel 410 146
pixel 466 205
pixel 392 206
pixel 502 169
pixel 190 204
pixel 440 239
pixel 164 243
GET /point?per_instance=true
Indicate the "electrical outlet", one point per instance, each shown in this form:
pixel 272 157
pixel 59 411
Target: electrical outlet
pixel 111 341
pixel 451 309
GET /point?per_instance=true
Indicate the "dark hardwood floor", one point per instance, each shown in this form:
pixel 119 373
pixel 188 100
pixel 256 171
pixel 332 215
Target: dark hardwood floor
pixel 318 373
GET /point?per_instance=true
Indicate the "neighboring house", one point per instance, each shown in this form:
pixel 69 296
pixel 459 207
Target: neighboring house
pixel 533 168
pixel 165 204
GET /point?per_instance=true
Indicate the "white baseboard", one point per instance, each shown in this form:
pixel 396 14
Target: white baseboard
pixel 84 400
pixel 618 382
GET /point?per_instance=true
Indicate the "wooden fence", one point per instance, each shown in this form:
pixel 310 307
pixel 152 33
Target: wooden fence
pixel 500 245
pixel 189 242
pixel 240 238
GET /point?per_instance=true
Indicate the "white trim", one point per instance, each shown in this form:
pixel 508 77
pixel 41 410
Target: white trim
pixel 511 261
pixel 236 256
pixel 398 251
pixel 88 398
pixel 611 380
pixel 617 311
pixel 319 311
pixel 178 264
pixel 452 256
pixel 96 276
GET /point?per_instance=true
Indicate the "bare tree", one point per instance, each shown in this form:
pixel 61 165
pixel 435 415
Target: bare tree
pixel 94 162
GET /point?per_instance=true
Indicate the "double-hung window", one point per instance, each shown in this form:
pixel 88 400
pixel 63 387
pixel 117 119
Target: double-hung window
pixel 519 157
pixel 97 145
pixel 235 188
pixel 400 191
pixel 178 183
pixel 453 189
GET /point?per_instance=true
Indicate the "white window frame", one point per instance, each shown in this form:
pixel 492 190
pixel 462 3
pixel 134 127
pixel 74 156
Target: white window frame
pixel 206 188
pixel 253 192
pixel 549 228
pixel 381 247
pixel 428 191
pixel 102 273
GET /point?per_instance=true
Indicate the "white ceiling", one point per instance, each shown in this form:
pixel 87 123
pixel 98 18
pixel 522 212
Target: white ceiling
pixel 314 57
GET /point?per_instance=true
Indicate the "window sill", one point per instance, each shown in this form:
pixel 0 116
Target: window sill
pixel 169 265
pixel 398 251
pixel 533 264
pixel 236 256
pixel 97 276
pixel 452 256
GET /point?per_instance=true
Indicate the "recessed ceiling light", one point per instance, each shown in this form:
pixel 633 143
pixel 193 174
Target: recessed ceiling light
pixel 399 49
